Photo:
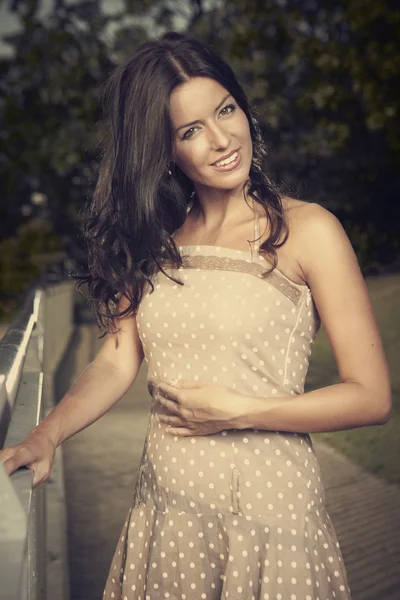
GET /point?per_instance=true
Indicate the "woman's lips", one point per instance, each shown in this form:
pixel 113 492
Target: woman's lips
pixel 231 165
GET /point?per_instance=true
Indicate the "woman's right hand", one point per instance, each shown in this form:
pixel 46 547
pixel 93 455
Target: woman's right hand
pixel 36 451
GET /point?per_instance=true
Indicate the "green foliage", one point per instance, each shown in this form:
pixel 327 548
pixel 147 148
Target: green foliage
pixel 321 76
pixel 16 273
pixel 38 240
pixel 49 108
pixel 16 269
pixel 324 80
pixel 21 260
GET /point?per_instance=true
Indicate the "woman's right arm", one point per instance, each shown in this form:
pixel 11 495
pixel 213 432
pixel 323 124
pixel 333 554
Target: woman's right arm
pixel 99 387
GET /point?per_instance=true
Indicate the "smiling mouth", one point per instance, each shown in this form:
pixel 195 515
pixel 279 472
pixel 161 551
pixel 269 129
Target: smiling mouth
pixel 228 163
pixel 227 158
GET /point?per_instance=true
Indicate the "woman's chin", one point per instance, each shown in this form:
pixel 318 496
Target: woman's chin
pixel 235 180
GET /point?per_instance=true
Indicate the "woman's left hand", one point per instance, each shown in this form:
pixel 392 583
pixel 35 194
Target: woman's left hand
pixel 195 408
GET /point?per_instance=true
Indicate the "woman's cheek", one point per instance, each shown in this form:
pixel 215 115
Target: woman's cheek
pixel 191 161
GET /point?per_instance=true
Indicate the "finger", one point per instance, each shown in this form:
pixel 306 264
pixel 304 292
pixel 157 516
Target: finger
pixel 169 405
pixel 40 475
pixel 188 384
pixel 6 454
pixel 180 431
pixel 21 458
pixel 175 382
pixel 168 391
pixel 172 421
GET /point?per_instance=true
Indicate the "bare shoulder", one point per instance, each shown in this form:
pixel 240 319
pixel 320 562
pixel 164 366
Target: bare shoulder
pixel 323 251
pixel 290 204
pixel 294 210
pixel 313 229
pixel 289 254
pixel 316 230
pixel 307 212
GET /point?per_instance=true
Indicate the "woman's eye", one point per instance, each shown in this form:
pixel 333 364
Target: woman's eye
pixel 188 133
pixel 229 106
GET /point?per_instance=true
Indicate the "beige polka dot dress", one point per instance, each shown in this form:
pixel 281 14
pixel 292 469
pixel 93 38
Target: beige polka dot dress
pixel 239 514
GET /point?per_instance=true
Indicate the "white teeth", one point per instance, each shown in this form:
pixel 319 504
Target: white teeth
pixel 227 161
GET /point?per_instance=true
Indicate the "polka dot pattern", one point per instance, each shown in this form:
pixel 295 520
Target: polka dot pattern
pixel 238 514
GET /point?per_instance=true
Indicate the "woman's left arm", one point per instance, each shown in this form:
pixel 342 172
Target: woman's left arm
pixel 363 397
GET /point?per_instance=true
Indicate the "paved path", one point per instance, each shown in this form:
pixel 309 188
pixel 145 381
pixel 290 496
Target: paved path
pixel 366 513
pixel 101 466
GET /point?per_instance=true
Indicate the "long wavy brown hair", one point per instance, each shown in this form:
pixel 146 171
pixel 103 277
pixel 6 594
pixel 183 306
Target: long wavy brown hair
pixel 136 205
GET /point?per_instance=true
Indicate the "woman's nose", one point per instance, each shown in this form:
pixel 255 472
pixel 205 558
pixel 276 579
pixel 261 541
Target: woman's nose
pixel 219 138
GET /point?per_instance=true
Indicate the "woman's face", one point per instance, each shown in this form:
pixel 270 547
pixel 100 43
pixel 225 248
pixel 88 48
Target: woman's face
pixel 208 124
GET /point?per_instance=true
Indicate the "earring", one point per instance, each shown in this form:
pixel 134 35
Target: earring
pixel 170 170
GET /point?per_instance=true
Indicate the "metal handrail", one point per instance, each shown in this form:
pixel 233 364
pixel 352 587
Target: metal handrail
pixel 30 353
pixel 13 349
pixel 21 385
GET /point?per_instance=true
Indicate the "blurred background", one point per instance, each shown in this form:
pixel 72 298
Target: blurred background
pixel 323 76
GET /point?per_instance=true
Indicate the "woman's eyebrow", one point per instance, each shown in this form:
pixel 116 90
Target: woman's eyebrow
pixel 193 122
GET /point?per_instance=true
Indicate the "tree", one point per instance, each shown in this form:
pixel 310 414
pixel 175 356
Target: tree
pixel 323 78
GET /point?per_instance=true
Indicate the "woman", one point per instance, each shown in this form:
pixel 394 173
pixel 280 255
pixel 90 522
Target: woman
pixel 198 265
